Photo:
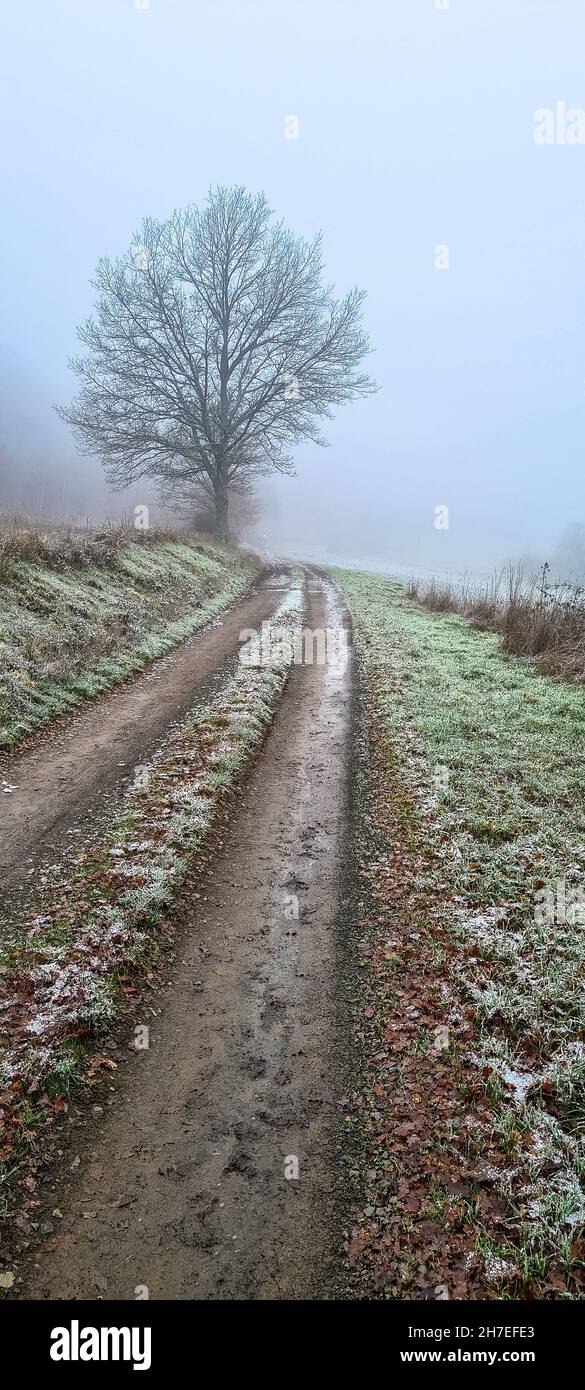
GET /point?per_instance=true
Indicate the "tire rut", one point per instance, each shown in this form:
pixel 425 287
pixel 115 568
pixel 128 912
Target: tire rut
pixel 185 1189
pixel 67 779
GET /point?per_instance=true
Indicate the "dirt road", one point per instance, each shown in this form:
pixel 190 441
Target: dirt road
pixel 183 1187
pixel 68 775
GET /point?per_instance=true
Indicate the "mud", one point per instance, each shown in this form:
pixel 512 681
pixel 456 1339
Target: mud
pixel 67 778
pixel 183 1187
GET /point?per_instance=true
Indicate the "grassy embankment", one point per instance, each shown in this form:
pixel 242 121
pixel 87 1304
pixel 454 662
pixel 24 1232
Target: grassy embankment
pixel 82 611
pixel 469 1124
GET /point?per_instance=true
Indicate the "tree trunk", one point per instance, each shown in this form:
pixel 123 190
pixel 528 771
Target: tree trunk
pixel 221 512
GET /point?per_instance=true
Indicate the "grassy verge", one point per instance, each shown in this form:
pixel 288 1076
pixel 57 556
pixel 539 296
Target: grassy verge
pixel 79 614
pixel 540 620
pixel 472 904
pixel 69 966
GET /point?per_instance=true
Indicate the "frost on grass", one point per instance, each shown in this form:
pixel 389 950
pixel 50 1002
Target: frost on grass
pixel 61 978
pixel 492 753
pixel 72 627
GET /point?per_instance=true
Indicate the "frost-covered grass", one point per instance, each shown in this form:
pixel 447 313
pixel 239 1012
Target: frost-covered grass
pixel 492 753
pixel 74 623
pixel 537 619
pixel 63 967
pixel 60 546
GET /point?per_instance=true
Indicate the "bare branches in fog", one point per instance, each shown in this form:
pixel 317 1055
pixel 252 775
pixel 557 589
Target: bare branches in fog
pixel 215 347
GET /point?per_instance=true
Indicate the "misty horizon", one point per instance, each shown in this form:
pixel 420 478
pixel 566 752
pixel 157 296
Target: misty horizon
pixel 414 146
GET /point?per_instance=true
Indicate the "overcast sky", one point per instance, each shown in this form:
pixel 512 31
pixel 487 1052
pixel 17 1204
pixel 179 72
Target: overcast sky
pixel 416 130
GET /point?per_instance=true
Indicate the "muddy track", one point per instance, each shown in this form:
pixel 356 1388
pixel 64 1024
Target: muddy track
pixel 66 778
pixel 182 1187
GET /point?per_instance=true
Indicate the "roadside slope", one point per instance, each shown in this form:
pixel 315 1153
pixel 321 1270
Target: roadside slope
pixel 80 614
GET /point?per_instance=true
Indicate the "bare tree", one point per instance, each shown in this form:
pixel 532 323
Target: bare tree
pixel 215 346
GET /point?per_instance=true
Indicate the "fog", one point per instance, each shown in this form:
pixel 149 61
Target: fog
pixel 415 131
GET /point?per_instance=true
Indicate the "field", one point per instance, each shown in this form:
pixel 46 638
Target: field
pixel 472 910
